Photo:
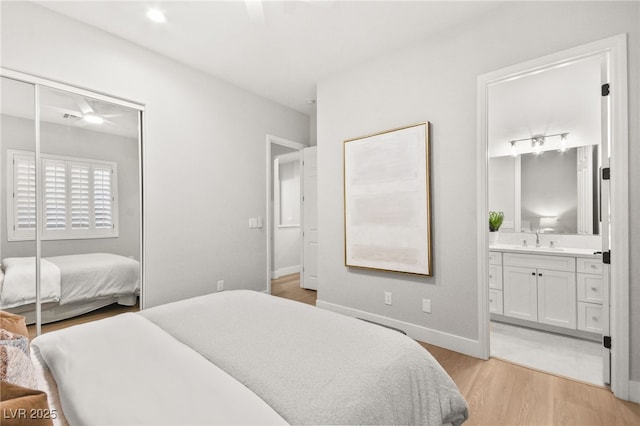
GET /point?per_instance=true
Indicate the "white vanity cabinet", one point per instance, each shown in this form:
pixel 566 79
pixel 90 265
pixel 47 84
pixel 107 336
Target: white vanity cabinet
pixel 495 282
pixel 540 288
pixel 590 294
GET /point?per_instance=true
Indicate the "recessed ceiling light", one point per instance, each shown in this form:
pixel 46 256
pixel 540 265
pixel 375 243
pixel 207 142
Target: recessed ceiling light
pixel 156 15
pixel 93 119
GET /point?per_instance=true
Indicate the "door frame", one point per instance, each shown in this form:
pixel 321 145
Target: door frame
pixel 615 50
pixel 274 140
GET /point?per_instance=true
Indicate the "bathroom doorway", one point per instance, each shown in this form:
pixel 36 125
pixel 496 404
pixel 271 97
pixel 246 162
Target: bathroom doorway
pixel 550 128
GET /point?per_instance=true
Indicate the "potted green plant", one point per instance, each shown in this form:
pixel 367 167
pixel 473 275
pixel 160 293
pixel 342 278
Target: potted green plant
pixel 495 222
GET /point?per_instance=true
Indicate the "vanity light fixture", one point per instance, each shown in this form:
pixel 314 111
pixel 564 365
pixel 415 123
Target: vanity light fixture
pixel 93 119
pixel 538 141
pixel 156 15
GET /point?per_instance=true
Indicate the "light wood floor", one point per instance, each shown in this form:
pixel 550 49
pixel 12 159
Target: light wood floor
pixel 107 311
pixel 501 393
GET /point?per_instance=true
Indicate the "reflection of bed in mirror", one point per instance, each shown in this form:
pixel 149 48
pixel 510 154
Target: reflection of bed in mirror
pixel 70 285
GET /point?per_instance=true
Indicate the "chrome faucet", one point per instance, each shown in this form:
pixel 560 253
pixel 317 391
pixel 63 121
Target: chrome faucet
pixel 538 238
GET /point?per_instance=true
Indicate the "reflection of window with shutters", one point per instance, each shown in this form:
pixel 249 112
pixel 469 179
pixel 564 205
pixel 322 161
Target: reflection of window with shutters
pixel 78 197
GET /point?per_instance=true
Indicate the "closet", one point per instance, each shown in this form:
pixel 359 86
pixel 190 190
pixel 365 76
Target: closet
pixel 70 199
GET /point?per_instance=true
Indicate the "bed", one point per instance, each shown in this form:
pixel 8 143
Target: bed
pixel 70 285
pixel 243 357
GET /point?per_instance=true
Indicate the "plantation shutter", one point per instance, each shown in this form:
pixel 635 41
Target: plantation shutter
pixel 79 198
pixel 55 194
pixel 102 197
pixel 79 176
pixel 24 194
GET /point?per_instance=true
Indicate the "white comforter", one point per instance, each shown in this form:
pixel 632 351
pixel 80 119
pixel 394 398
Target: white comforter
pixel 68 279
pixel 94 275
pixel 314 366
pixel 127 370
pixel 19 284
pixel 310 366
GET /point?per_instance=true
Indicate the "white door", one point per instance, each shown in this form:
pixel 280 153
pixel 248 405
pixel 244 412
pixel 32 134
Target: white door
pixel 557 298
pixel 309 275
pixel 520 293
pixel 605 221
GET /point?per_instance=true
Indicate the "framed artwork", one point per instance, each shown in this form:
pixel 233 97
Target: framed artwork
pixel 387 209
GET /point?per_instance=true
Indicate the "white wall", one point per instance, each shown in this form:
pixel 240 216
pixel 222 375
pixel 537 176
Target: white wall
pixel 436 80
pixel 198 130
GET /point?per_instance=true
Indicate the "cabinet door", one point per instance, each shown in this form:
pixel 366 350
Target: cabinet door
pixel 590 317
pixel 557 298
pixel 495 301
pixel 495 277
pixel 589 288
pixel 520 293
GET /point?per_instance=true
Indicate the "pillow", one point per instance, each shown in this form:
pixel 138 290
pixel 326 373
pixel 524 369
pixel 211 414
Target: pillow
pixel 15 363
pixel 8 338
pixel 13 323
pixel 20 406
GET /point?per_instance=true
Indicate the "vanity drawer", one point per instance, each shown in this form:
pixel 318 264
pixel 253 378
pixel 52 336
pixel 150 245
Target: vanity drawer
pixel 590 317
pixel 495 277
pixel 589 265
pixel 495 258
pixel 495 302
pixel 552 262
pixel 590 288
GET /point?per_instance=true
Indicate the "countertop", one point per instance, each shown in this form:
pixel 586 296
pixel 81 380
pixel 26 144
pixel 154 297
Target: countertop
pixel 555 251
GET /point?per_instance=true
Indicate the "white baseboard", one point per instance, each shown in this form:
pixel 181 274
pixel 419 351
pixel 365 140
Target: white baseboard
pixel 634 391
pixel 285 271
pixel 438 338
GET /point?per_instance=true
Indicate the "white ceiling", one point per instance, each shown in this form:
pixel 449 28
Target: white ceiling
pixel 59 107
pixel 282 56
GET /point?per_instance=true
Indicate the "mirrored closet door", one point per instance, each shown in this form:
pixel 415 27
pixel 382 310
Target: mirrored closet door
pixel 71 237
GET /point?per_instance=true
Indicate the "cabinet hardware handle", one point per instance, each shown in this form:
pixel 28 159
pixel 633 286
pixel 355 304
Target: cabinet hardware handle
pixel 594 288
pixel 595 319
pixel 533 273
pixel 593 266
pixel 490 276
pixel 539 275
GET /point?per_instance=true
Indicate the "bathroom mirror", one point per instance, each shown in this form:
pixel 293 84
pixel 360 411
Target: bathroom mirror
pixel 544 135
pixel 554 193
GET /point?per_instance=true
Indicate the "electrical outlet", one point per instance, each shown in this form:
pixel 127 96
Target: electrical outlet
pixel 388 300
pixel 426 305
pixel 220 285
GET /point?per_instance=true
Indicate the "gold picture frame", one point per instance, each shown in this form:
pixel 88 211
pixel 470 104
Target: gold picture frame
pixel 387 201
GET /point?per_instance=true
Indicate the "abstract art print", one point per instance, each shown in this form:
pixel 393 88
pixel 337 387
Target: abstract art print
pixel 387 212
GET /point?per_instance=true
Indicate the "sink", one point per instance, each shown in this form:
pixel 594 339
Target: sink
pixel 526 248
pixel 541 248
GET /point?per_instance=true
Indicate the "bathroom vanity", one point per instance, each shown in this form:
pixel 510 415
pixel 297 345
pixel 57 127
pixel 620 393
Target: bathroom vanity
pixel 554 289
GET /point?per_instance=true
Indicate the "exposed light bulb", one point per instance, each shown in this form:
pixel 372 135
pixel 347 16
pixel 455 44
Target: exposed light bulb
pixel 537 143
pixel 563 142
pixel 156 15
pixel 93 119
